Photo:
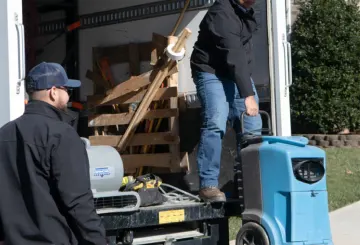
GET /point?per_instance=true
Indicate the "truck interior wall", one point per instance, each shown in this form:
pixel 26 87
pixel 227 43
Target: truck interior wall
pixel 141 31
pixel 135 31
pixel 55 51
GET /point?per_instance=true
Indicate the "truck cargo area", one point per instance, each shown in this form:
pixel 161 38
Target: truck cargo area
pixel 113 29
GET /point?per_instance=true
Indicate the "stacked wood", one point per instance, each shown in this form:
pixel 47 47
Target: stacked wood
pixel 139 116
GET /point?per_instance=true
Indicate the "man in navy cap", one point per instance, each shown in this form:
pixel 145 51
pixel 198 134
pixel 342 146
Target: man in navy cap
pixel 45 190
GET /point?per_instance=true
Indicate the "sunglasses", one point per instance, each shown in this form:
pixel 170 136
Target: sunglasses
pixel 66 89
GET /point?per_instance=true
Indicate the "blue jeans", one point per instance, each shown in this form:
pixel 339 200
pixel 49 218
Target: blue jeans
pixel 220 101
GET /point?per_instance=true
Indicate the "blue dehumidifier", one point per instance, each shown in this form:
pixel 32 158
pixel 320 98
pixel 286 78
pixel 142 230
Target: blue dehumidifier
pixel 282 182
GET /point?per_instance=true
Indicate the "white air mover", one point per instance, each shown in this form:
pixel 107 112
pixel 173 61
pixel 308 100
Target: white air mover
pixel 106 174
pixel 106 167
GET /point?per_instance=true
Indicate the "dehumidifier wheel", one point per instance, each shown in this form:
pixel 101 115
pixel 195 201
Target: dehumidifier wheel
pixel 252 234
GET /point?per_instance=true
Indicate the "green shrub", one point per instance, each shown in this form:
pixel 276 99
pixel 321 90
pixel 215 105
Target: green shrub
pixel 325 95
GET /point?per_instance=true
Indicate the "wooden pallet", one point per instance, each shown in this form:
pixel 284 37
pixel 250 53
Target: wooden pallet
pixel 112 106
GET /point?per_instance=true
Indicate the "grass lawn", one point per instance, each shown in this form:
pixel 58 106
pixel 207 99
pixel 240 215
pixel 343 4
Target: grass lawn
pixel 343 178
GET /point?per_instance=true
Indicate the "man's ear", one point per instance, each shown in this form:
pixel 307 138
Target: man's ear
pixel 52 93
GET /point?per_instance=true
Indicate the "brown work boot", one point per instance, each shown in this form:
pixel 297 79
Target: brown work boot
pixel 212 194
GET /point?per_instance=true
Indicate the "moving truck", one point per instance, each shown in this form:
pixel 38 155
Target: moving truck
pixel 67 31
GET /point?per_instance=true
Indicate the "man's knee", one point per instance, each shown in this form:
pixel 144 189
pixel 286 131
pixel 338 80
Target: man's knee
pixel 215 122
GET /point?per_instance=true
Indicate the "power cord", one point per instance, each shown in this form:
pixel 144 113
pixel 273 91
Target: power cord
pixel 174 197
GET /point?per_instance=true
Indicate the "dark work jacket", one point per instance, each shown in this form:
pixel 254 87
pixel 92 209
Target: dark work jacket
pixel 224 45
pixel 45 190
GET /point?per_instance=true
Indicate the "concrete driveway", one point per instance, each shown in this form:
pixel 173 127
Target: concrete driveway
pixel 345 225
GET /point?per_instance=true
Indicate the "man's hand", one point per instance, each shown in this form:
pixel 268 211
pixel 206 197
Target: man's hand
pixel 252 108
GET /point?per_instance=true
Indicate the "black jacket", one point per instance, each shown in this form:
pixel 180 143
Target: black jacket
pixel 224 45
pixel 45 193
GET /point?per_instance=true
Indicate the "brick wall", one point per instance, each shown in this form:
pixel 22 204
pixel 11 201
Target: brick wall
pixel 333 141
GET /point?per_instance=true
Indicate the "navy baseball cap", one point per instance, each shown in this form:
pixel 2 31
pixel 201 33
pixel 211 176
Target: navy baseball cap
pixel 47 75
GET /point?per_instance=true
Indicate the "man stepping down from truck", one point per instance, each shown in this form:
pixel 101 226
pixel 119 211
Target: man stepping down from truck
pixel 221 65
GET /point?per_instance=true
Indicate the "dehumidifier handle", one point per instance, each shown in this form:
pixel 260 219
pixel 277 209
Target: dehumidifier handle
pixel 260 112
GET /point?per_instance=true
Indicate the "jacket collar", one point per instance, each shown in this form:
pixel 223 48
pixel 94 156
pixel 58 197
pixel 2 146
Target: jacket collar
pixel 236 5
pixel 45 109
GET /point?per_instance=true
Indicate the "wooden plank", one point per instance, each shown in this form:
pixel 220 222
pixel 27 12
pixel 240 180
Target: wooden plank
pixel 162 138
pixel 120 53
pixel 159 44
pixel 174 121
pixel 180 18
pixel 162 160
pixel 150 93
pixel 134 65
pixel 124 118
pixel 133 97
pixel 128 86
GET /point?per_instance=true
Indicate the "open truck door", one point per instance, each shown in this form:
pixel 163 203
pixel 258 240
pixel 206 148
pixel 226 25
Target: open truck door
pixel 280 65
pixel 12 60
